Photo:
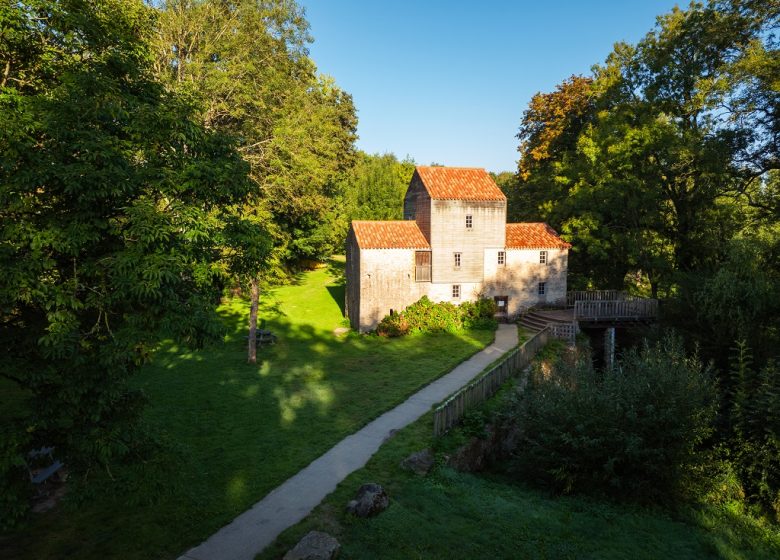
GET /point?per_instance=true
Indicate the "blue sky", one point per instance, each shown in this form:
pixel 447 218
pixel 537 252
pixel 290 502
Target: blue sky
pixel 448 81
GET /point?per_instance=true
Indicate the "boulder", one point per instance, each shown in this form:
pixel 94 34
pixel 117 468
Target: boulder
pixel 315 545
pixel 371 499
pixel 419 462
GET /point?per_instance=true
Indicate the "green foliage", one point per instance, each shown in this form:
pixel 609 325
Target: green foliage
pixel 638 166
pixel 225 434
pixel 632 433
pixel 753 410
pixel 741 299
pixel 453 515
pixel 428 317
pixel 15 487
pixel 245 65
pixel 113 212
pixel 373 189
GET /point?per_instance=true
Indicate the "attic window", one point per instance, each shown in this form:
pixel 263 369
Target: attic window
pixel 542 257
pixel 469 221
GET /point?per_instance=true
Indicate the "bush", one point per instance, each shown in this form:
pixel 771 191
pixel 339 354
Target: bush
pixel 633 432
pixel 752 407
pixel 393 325
pixel 429 317
pixel 15 487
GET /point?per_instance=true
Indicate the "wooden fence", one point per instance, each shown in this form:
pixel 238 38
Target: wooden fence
pixel 449 413
pixel 564 331
pixel 595 295
pixel 627 310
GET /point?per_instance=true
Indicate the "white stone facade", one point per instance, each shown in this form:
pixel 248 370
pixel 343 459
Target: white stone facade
pixel 382 275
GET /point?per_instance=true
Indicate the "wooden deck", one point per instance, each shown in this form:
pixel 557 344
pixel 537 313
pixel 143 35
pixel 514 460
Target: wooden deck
pixel 616 311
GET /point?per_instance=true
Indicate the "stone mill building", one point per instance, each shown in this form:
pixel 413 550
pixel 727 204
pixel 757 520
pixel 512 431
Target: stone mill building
pixel 453 245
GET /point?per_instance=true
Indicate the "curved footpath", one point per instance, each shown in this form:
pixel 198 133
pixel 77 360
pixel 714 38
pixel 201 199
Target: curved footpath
pixel 249 533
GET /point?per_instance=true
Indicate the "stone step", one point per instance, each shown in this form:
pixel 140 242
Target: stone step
pixel 532 323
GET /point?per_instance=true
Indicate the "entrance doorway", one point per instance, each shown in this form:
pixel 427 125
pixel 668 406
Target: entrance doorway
pixel 502 308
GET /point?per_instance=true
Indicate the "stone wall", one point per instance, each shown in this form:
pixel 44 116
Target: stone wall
pixel 450 235
pixel 519 278
pixel 417 206
pixel 386 282
pixel 352 275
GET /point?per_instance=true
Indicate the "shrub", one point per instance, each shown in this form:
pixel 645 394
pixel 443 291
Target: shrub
pixel 15 487
pixel 753 438
pixel 392 325
pixel 633 432
pixel 427 316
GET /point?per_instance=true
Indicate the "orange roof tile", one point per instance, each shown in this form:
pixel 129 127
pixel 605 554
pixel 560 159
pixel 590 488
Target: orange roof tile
pixel 389 235
pixel 459 183
pixel 533 235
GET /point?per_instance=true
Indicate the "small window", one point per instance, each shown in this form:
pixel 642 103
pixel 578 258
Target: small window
pixel 542 257
pixel 542 289
pixel 469 221
pixel 457 260
pixel 501 258
pixel 456 291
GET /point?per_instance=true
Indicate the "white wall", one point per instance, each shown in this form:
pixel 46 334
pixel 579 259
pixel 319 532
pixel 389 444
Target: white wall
pixel 519 278
pixel 386 282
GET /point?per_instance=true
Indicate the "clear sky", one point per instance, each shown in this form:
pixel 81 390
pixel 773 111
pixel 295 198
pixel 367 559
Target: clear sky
pixel 447 81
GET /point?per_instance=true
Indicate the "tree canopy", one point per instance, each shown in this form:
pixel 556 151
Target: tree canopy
pixel 114 201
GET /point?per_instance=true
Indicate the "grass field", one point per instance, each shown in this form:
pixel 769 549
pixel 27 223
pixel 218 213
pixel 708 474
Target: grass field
pixel 234 432
pixel 450 516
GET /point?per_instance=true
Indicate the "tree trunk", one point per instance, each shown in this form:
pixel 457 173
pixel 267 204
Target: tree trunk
pixel 254 300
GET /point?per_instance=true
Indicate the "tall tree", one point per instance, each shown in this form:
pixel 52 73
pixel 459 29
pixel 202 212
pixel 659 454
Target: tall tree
pixel 112 227
pixel 653 172
pixel 245 63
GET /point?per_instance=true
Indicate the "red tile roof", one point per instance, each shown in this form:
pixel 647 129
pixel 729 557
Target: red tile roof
pixel 389 235
pixel 533 235
pixel 459 183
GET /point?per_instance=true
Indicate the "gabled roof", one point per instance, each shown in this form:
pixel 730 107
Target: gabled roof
pixel 533 235
pixel 459 183
pixel 389 235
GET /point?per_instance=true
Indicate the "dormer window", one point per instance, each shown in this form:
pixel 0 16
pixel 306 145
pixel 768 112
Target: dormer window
pixel 469 221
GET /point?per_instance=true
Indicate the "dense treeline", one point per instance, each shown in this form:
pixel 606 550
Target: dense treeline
pixel 150 154
pixel 663 170
pixel 373 189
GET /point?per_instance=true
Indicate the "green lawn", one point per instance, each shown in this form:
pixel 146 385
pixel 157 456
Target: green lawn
pixel 234 432
pixel 449 515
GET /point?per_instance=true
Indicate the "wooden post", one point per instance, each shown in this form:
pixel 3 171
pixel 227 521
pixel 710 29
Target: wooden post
pixel 609 348
pixel 254 301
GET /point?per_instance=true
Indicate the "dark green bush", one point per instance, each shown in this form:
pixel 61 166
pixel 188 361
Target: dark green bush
pixel 426 316
pixel 753 410
pixel 15 486
pixel 633 432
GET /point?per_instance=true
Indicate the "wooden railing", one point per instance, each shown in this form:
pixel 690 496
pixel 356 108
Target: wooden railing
pixel 626 310
pixel 422 273
pixel 564 331
pixel 595 295
pixel 449 413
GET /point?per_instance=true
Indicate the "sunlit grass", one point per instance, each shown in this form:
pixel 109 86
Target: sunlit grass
pixel 232 432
